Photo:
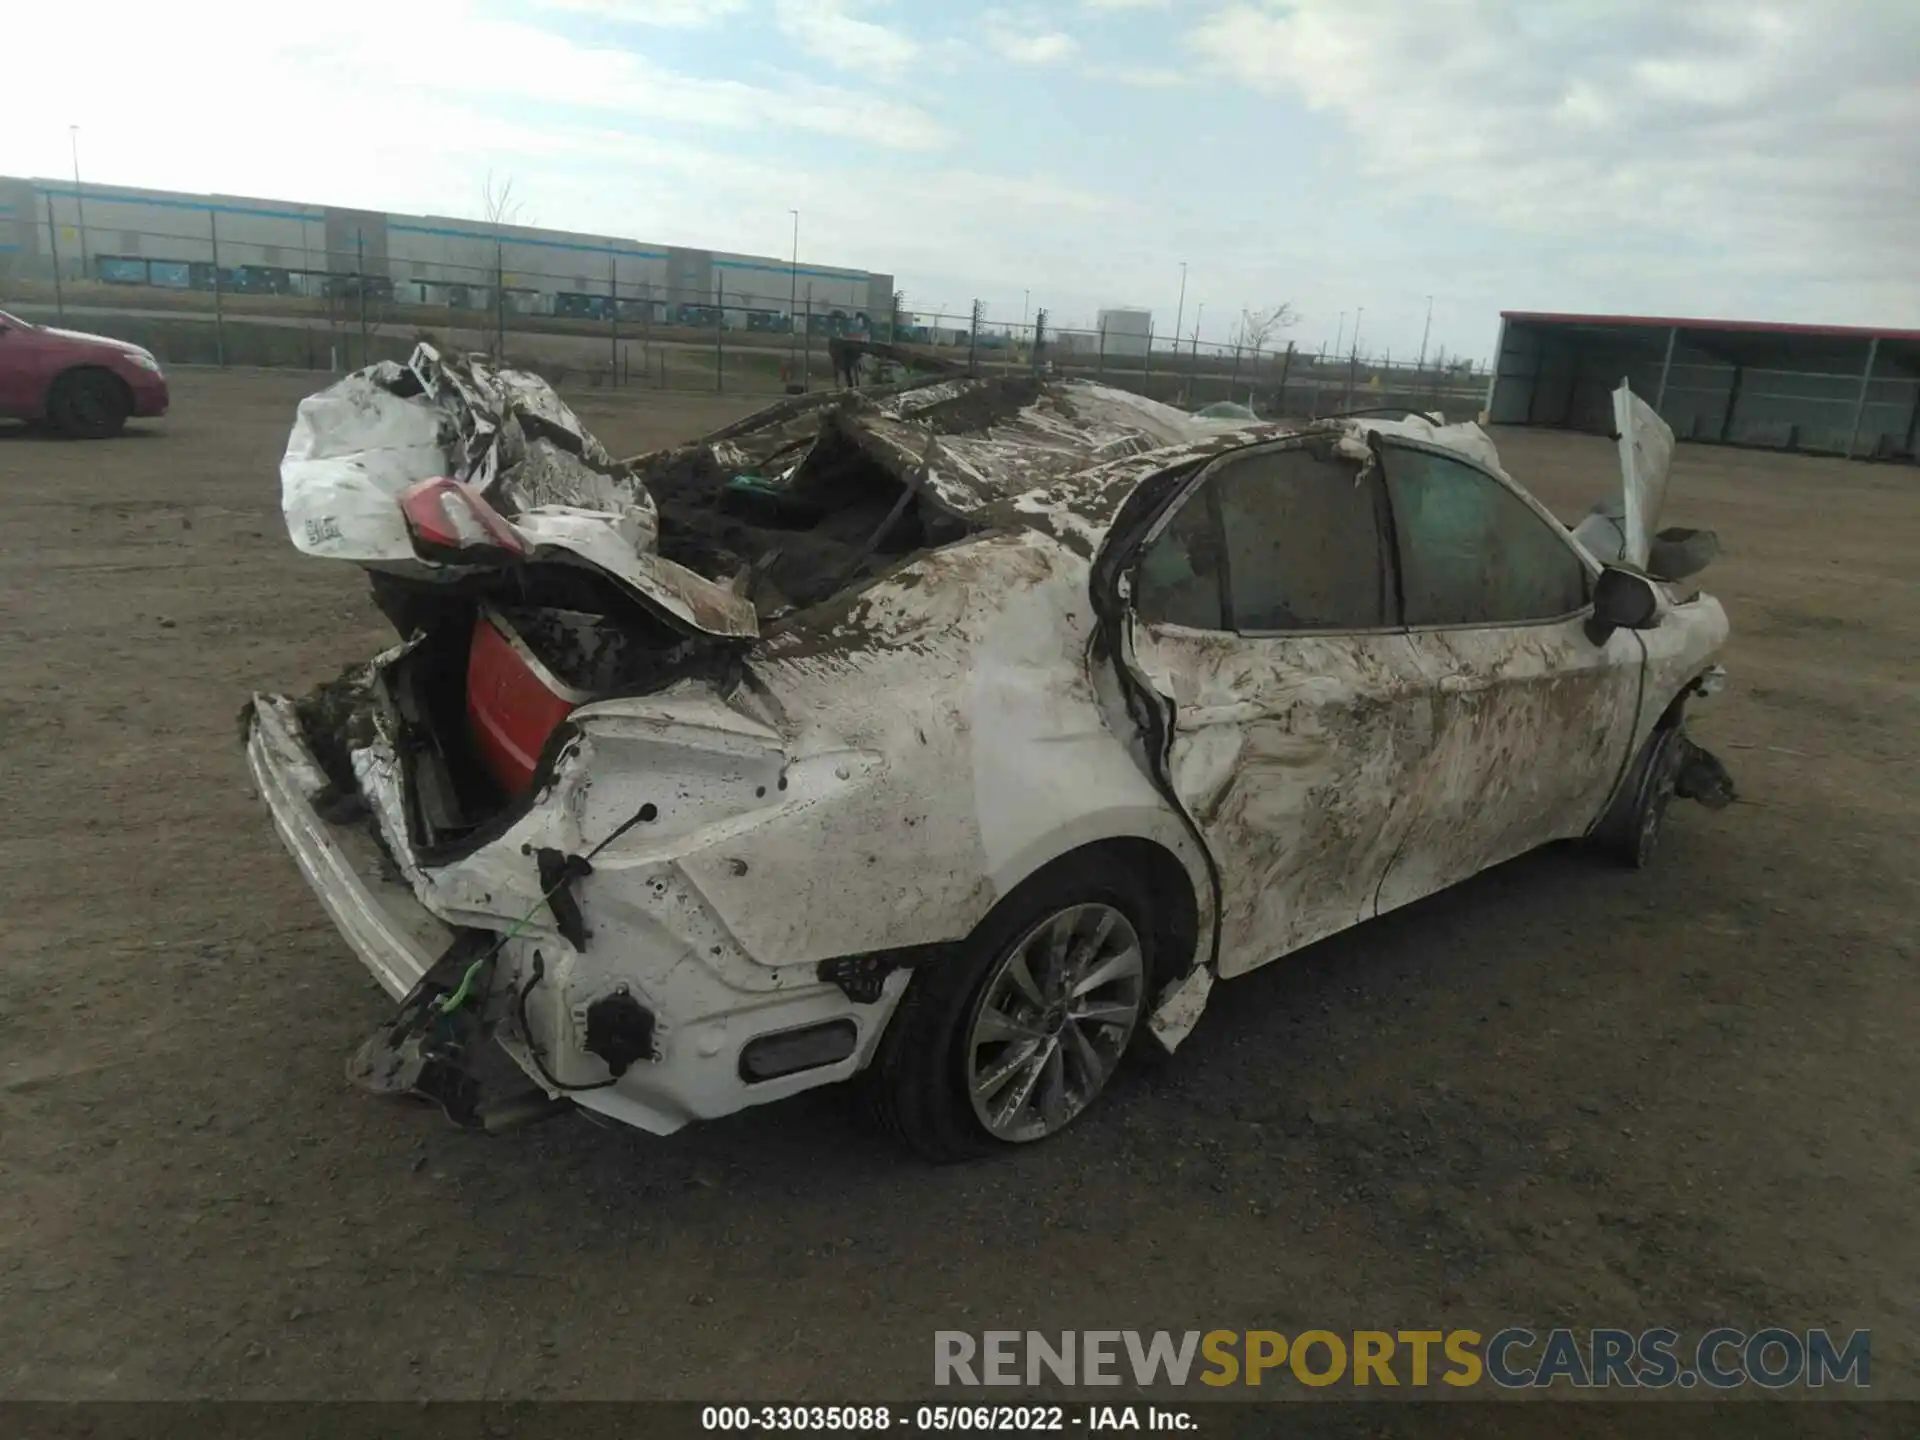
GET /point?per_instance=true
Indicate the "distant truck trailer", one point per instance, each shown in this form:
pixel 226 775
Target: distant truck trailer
pixel 1126 332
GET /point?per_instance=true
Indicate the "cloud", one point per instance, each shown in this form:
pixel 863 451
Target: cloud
pixel 665 14
pixel 827 30
pixel 315 102
pixel 1017 40
pixel 1107 5
pixel 1754 143
pixel 1141 77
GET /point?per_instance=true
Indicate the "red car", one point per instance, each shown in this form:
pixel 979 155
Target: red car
pixel 83 385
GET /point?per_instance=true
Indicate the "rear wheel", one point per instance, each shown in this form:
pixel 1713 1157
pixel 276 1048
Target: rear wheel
pixel 1017 1033
pixel 88 404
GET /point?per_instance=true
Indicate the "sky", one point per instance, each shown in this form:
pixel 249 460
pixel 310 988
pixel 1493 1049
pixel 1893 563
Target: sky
pixel 1752 159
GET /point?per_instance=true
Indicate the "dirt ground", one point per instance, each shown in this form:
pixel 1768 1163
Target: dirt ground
pixel 1558 1094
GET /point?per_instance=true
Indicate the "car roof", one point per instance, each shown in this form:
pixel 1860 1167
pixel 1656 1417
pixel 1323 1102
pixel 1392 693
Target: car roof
pixel 1058 456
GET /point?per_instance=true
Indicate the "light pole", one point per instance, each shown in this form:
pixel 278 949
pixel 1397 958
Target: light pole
pixel 79 201
pixel 793 288
pixel 1356 328
pixel 1425 330
pixel 1180 310
pixel 1339 334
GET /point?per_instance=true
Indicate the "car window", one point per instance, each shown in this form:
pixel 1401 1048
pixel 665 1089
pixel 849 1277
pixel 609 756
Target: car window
pixel 1471 551
pixel 1180 580
pixel 1272 540
pixel 1303 542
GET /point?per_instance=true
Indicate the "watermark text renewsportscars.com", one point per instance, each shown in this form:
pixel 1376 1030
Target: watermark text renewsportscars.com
pixel 1771 1357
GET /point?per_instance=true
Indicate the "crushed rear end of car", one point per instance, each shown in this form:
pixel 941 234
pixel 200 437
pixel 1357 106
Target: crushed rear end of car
pixel 534 816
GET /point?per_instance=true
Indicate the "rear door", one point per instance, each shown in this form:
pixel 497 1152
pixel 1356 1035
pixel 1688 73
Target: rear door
pixel 1264 610
pixel 1534 717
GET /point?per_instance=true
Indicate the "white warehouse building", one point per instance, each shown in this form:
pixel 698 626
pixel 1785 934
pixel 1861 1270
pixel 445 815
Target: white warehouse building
pixel 122 235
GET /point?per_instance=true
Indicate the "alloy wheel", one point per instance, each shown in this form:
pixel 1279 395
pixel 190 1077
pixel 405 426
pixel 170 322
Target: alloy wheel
pixel 1054 1017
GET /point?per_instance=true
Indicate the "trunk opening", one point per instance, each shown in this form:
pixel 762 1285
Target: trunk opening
pixel 811 519
pixel 477 705
pixel 470 738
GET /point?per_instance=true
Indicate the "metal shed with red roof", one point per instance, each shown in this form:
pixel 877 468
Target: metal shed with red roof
pixel 1829 389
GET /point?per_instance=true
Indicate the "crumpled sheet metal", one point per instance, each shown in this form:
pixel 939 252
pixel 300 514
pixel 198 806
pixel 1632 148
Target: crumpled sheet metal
pixel 356 445
pixel 359 443
pixel 516 440
pixel 1060 428
pixel 1052 455
pixel 967 444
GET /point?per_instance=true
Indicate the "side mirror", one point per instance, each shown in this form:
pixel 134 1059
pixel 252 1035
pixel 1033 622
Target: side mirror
pixel 1623 600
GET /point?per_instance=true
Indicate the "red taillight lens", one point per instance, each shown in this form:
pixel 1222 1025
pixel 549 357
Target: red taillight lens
pixel 514 703
pixel 448 521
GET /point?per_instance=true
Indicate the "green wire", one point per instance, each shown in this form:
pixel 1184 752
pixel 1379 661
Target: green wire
pixel 450 1003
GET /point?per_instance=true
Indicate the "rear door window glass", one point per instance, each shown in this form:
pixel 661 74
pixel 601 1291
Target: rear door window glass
pixel 1303 542
pixel 1273 540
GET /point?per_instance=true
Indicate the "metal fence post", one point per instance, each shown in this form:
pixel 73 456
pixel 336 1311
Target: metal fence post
pixel 1666 367
pixel 806 344
pixel 1280 401
pixel 499 300
pixel 646 330
pixel 53 244
pixel 973 339
pixel 360 285
pixel 613 318
pixel 219 314
pixel 1860 404
pixel 719 342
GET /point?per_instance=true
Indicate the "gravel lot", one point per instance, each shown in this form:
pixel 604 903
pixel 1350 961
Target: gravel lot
pixel 1558 1094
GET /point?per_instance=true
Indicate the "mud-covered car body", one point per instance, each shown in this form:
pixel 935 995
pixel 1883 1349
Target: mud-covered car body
pixel 839 680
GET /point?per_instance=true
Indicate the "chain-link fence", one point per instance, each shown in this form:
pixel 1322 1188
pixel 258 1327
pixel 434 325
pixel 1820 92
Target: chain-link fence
pixel 336 309
pixel 331 308
pixel 1273 378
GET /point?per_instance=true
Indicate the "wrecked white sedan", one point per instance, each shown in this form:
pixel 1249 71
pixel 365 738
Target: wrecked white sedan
pixel 957 737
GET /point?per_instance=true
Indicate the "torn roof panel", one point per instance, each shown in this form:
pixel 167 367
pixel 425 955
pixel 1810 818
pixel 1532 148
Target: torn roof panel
pixel 1051 455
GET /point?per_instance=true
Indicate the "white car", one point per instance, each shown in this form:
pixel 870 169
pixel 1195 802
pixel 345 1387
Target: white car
pixel 1007 717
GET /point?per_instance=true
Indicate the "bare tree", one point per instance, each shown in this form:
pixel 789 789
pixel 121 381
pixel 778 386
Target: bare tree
pixel 499 206
pixel 1258 326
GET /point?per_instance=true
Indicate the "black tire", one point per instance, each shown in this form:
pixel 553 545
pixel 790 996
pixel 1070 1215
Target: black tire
pixel 916 1087
pixel 89 405
pixel 1630 830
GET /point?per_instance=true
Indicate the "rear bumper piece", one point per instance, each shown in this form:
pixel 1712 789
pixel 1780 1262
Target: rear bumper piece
pixel 702 1026
pixel 704 1022
pixel 396 937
